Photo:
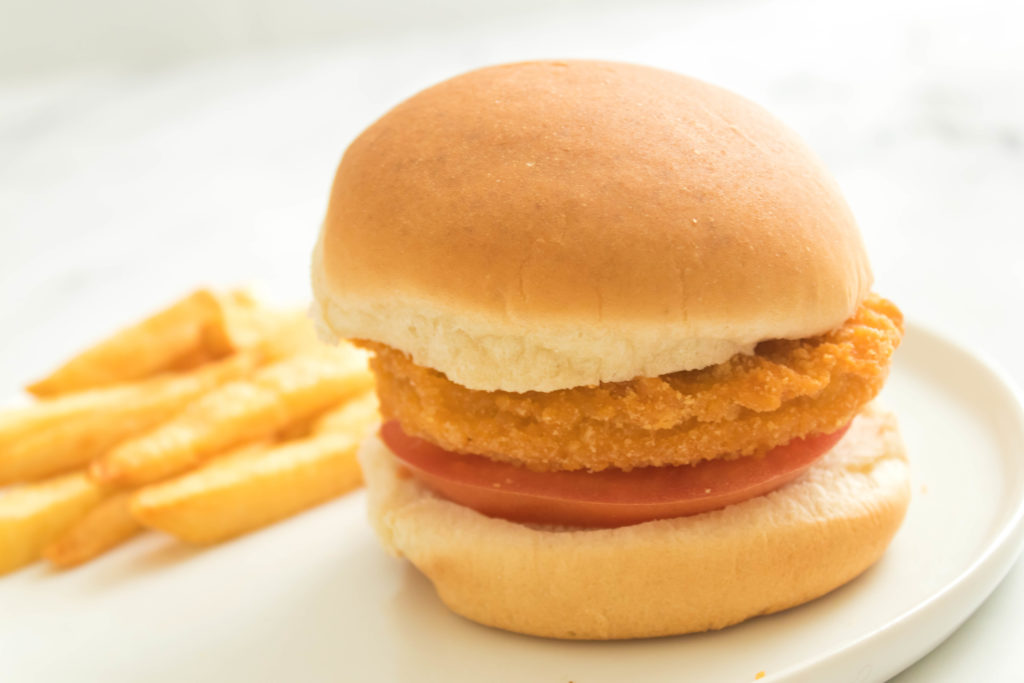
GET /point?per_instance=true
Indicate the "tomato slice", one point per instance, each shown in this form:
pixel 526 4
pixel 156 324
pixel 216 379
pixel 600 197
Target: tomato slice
pixel 609 498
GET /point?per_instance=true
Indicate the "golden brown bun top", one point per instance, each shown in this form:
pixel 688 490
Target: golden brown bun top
pixel 552 224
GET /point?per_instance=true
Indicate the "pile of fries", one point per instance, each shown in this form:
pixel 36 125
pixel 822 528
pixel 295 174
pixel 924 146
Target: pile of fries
pixel 214 417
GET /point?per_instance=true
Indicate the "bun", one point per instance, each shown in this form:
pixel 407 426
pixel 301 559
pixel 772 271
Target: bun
pixel 659 578
pixel 546 225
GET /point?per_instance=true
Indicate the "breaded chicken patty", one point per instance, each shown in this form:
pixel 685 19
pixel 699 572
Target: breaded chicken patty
pixel 745 406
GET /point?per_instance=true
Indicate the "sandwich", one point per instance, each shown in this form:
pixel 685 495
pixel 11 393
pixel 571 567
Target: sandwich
pixel 626 350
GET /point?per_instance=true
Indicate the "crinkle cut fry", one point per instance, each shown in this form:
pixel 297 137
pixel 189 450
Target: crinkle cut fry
pixel 750 403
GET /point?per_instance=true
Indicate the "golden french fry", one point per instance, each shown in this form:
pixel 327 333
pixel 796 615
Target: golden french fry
pixel 138 351
pixel 244 324
pixel 104 527
pixel 62 433
pixel 234 495
pixel 299 429
pixel 275 396
pixel 193 359
pixel 202 327
pixel 353 418
pixel 32 515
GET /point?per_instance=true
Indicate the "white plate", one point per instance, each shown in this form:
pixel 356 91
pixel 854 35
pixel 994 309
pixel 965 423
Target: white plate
pixel 315 599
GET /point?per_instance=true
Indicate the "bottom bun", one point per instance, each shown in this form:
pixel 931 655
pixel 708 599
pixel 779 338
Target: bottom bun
pixel 658 578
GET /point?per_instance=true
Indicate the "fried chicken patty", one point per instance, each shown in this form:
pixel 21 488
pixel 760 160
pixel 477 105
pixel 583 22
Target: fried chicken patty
pixel 744 406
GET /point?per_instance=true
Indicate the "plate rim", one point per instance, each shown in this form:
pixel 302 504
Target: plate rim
pixel 891 646
pixel 1009 539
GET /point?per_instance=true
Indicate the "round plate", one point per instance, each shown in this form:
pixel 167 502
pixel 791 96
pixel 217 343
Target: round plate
pixel 316 599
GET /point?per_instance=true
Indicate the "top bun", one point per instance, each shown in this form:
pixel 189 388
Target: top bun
pixel 546 225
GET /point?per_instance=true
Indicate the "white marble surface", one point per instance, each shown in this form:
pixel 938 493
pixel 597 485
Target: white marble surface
pixel 122 186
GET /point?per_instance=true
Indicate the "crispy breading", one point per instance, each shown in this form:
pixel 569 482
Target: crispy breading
pixel 747 405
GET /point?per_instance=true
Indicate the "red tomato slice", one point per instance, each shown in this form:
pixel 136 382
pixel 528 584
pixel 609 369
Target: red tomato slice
pixel 608 498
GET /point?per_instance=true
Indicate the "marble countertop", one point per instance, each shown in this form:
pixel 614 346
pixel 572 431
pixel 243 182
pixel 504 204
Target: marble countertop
pixel 123 186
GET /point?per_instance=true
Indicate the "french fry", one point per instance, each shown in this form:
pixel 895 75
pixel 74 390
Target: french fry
pixel 59 434
pixel 231 496
pixel 353 418
pixel 137 351
pixel 193 359
pixel 275 396
pixel 294 334
pixel 348 418
pixel 202 327
pixel 34 514
pixel 277 333
pixel 104 527
pixel 297 430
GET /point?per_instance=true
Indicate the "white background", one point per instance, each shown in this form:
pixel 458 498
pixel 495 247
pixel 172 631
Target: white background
pixel 146 148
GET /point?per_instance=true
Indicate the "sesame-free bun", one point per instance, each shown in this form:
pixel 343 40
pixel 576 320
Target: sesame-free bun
pixel 658 578
pixel 548 225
